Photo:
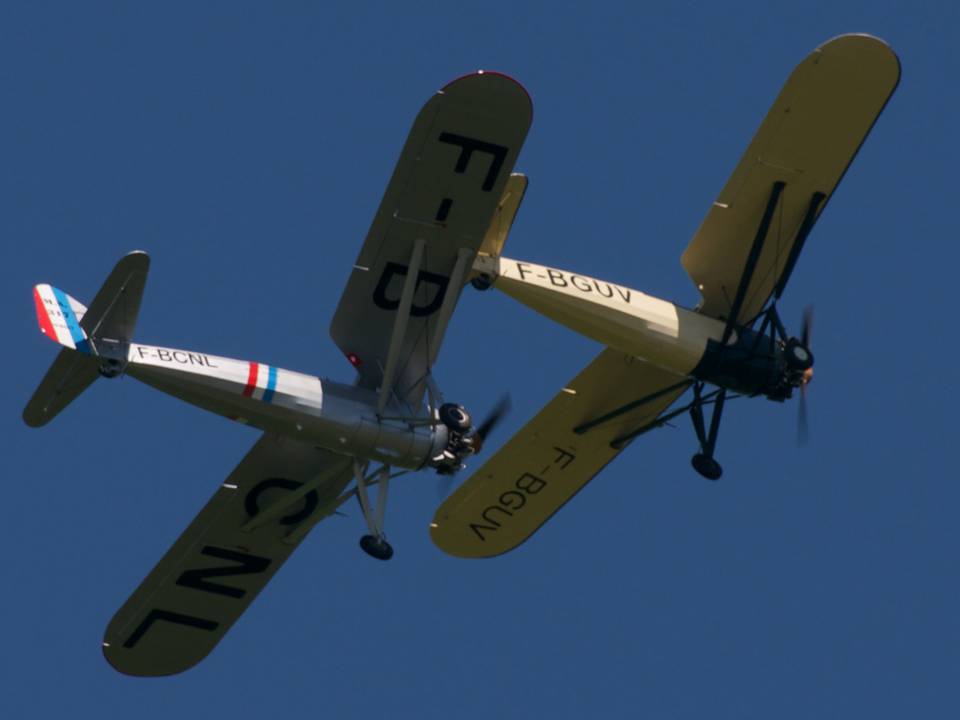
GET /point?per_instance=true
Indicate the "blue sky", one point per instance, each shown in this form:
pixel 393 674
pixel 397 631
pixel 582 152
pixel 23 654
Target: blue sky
pixel 246 147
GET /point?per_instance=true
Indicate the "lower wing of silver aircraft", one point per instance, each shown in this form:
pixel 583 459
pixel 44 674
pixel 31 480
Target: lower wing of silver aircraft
pixel 448 197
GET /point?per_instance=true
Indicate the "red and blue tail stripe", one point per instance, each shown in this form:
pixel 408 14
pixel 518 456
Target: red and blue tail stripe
pixel 77 334
pixel 59 317
pixel 261 382
pixel 271 384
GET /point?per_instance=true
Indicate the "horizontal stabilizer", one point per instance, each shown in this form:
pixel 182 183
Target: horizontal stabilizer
pixel 70 374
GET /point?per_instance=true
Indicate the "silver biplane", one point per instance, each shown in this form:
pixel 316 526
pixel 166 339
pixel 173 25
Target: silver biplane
pixel 444 203
pixel 734 342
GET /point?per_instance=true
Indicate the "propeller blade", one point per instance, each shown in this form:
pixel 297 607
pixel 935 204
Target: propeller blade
pixel 807 326
pixel 803 426
pixel 806 333
pixel 494 417
pixel 479 437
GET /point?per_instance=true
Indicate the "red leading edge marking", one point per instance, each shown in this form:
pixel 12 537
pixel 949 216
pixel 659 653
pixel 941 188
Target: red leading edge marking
pixel 45 325
pixel 251 380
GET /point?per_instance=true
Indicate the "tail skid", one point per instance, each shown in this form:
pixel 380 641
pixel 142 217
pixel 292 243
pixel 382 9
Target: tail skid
pixel 95 339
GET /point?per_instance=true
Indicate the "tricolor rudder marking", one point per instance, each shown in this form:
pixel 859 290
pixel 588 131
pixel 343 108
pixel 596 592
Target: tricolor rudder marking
pixel 59 316
pixel 261 382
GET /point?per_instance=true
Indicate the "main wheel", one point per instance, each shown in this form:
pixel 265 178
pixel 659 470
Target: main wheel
pixel 376 547
pixel 706 466
pixel 455 417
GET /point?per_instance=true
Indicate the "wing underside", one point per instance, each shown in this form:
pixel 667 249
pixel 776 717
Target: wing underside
pixel 788 173
pixel 584 427
pixel 439 205
pixel 215 569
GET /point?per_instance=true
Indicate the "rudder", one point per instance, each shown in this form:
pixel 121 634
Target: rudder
pixel 59 316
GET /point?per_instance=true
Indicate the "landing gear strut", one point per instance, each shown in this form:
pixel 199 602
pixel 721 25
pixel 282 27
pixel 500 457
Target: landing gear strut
pixel 703 462
pixel 375 544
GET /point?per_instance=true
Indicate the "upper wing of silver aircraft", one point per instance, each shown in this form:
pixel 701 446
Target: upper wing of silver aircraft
pixel 441 202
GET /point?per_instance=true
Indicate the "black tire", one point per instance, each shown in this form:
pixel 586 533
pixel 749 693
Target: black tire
pixel 455 417
pixel 706 466
pixel 376 547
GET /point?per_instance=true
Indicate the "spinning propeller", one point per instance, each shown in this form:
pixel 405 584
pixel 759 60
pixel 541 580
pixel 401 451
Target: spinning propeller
pixel 475 436
pixel 803 430
pixel 492 419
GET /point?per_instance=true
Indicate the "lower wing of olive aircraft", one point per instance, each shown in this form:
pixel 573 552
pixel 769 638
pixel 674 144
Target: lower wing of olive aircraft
pixel 733 344
pixel 451 195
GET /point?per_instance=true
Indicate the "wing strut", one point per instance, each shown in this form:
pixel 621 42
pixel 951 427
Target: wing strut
pixel 449 300
pixel 278 509
pixel 805 227
pixel 699 400
pixel 752 259
pixel 623 409
pixel 299 532
pixel 400 323
pixel 375 544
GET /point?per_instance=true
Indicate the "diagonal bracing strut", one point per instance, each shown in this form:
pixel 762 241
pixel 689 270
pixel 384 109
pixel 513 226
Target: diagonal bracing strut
pixel 372 516
pixel 699 401
pixel 752 259
pixel 400 323
pixel 623 409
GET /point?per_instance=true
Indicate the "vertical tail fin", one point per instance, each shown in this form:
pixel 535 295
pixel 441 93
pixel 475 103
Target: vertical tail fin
pixel 506 213
pixel 96 340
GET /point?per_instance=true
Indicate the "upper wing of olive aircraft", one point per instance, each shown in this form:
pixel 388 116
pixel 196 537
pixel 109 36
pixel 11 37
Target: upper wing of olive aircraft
pixel 451 193
pixel 740 259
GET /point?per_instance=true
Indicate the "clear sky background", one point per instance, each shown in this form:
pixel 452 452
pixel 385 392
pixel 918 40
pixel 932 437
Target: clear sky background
pixel 246 146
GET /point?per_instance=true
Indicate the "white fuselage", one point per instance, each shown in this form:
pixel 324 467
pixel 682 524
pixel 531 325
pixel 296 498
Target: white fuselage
pixel 331 415
pixel 660 332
